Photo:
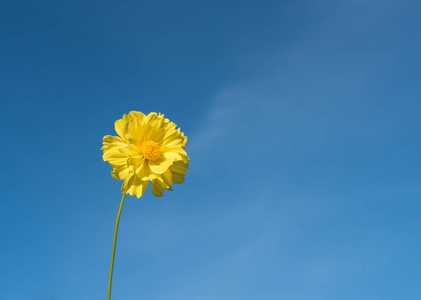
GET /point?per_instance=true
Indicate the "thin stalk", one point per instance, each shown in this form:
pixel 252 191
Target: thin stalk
pixel 115 241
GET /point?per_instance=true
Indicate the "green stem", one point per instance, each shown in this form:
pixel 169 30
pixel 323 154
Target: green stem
pixel 115 240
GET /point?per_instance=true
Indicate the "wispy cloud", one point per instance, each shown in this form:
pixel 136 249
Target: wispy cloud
pixel 321 79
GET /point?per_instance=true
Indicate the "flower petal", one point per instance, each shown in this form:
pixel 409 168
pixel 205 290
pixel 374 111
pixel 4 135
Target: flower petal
pixel 133 115
pixel 141 189
pixel 115 157
pixel 181 153
pixel 162 164
pixel 157 130
pixel 122 173
pixel 157 189
pixel 144 172
pixel 120 126
pixel 178 170
pixel 127 184
pixel 166 178
pixel 134 186
pixel 110 141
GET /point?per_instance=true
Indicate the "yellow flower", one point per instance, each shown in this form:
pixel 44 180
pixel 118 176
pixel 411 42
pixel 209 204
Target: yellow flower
pixel 148 148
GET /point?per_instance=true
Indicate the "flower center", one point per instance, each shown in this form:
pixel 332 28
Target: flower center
pixel 150 150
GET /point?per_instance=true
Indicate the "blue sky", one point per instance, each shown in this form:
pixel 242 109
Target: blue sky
pixel 304 139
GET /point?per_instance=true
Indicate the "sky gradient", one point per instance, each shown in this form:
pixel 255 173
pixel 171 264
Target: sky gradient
pixel 304 139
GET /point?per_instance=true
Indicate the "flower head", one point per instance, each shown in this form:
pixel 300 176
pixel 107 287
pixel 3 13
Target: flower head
pixel 148 148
